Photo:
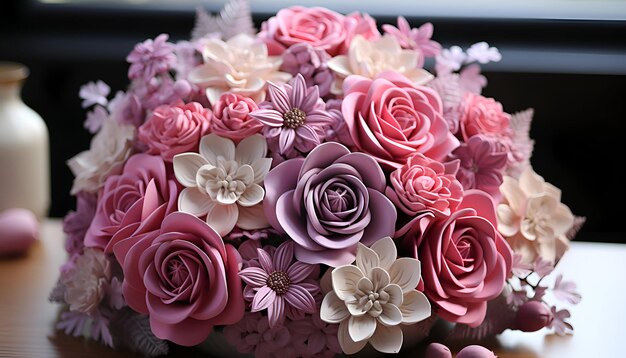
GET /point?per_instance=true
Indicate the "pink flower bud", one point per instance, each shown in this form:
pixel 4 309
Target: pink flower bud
pixel 532 316
pixel 475 351
pixel 438 350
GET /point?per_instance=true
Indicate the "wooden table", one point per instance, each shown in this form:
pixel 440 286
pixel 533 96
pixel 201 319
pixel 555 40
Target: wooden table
pixel 27 318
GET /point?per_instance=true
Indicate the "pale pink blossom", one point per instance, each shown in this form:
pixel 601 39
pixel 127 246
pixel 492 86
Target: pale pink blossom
pixel 559 323
pixel 95 118
pixel 483 53
pixel 94 93
pixel 450 60
pixel 86 283
pixel 151 57
pixel 418 39
pixel 565 290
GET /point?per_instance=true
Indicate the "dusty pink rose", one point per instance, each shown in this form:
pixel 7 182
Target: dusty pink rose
pixel 183 276
pixel 465 261
pixel 231 117
pixel 175 129
pixel 390 118
pixel 316 26
pixel 142 190
pixel 481 115
pixel 425 185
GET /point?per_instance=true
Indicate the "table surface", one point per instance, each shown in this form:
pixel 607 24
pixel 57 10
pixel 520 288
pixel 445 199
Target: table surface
pixel 27 318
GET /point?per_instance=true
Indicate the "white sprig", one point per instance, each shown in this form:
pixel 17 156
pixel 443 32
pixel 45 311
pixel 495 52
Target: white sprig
pixel 234 19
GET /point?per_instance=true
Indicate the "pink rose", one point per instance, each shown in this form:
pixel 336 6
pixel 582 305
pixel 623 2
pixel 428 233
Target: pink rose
pixel 231 117
pixel 425 185
pixel 465 261
pixel 316 26
pixel 480 115
pixel 175 129
pixel 390 118
pixel 183 276
pixel 141 191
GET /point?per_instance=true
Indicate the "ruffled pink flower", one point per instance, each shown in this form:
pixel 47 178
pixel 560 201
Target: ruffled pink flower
pixel 425 185
pixel 310 62
pixel 253 334
pixel 76 223
pixel 295 115
pixel 175 129
pixel 142 190
pixel 179 272
pixel 359 24
pixel 481 115
pixel 390 118
pixel 160 90
pixel 329 202
pixel 151 57
pixel 465 261
pixel 281 285
pixel 482 163
pixel 418 39
pixel 231 117
pixel 126 108
pixel 316 26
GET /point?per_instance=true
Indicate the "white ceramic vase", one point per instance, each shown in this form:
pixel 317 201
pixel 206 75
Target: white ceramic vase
pixel 24 151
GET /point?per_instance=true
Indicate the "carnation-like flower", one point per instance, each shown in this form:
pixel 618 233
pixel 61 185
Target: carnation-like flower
pixel 316 26
pixel 449 60
pixel 371 298
pixel 126 108
pixel 311 63
pixel 465 261
pixel 417 39
pixel 224 182
pixel 295 115
pixel 482 163
pixel 481 115
pixel 179 272
pixel 175 129
pixel 86 283
pixel 368 59
pixel 240 65
pixel 281 285
pixel 391 118
pixel 329 202
pixel 151 57
pixel 142 190
pixel 231 117
pixel 425 185
pixel 532 217
pixel 109 149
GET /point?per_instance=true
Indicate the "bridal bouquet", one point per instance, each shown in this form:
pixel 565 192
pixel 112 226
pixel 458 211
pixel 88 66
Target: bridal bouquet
pixel 307 190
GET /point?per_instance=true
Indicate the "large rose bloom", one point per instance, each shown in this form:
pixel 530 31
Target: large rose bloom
pixel 175 129
pixel 316 26
pixel 183 276
pixel 391 118
pixel 142 190
pixel 231 117
pixel 481 115
pixel 328 203
pixel 425 185
pixel 465 261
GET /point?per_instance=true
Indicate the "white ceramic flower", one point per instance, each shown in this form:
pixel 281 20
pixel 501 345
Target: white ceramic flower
pixel 371 298
pixel 532 217
pixel 109 149
pixel 368 59
pixel 240 65
pixel 86 282
pixel 224 182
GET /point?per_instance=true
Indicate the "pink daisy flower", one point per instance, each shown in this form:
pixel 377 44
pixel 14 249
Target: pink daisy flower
pixel 281 285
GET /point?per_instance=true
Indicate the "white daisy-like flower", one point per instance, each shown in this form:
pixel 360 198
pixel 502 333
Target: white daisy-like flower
pixel 373 297
pixel 224 182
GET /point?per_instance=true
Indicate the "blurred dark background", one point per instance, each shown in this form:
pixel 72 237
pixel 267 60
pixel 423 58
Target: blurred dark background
pixel 571 69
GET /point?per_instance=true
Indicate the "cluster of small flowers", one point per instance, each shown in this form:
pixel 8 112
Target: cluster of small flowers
pixel 309 189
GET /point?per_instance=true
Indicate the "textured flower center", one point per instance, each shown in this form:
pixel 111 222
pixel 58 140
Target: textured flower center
pixel 177 272
pixel 294 118
pixel 279 282
pixel 372 302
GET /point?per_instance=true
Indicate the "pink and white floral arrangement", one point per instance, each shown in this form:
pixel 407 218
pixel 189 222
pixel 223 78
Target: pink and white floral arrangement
pixel 306 190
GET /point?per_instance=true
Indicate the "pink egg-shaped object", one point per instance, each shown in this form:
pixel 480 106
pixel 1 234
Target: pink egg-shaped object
pixel 438 350
pixel 475 351
pixel 19 229
pixel 532 316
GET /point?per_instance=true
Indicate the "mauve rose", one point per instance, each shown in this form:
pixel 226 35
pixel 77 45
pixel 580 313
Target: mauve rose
pixel 183 276
pixel 390 118
pixel 425 185
pixel 142 190
pixel 481 115
pixel 231 117
pixel 328 202
pixel 316 26
pixel 465 261
pixel 175 129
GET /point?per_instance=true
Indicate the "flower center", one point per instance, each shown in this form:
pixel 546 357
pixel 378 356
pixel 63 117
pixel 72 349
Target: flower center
pixel 279 282
pixel 177 272
pixel 294 118
pixel 372 301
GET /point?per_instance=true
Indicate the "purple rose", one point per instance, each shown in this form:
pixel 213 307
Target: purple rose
pixel 328 202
